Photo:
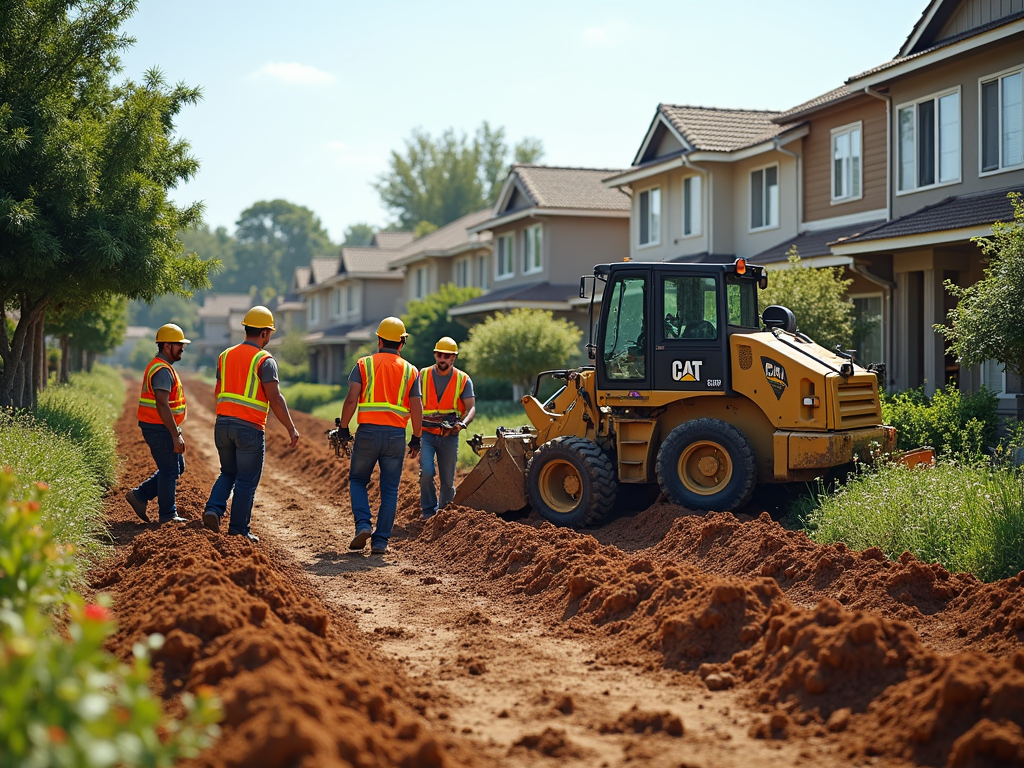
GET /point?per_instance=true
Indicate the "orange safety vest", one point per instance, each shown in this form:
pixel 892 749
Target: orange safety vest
pixel 384 398
pixel 239 389
pixel 148 413
pixel 450 402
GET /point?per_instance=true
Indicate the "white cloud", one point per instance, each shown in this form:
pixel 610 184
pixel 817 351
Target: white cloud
pixel 294 73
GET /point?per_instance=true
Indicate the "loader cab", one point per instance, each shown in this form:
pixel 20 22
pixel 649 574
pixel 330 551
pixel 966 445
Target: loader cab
pixel 666 327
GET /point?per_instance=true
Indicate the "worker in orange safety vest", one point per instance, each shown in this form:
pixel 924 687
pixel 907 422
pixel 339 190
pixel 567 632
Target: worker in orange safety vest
pixel 161 412
pixel 247 388
pixel 385 391
pixel 449 405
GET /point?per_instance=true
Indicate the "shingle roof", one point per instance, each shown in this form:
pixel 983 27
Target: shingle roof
pixel 540 291
pixel 704 258
pixel 323 268
pixel 451 236
pixel 825 99
pixel 722 130
pixel 221 304
pixel 367 260
pixel 972 210
pixel 814 243
pixel 300 279
pixel 392 241
pixel 574 188
pixel 942 44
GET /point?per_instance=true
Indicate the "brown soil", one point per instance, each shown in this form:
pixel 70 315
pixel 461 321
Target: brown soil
pixel 661 639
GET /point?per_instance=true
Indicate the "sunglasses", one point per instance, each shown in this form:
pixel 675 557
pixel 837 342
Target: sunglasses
pixel 444 355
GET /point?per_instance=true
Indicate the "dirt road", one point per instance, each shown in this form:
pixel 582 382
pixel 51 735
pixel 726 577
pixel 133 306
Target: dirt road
pixel 659 639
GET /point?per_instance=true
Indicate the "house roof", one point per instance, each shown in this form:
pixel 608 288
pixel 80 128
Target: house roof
pixel 323 268
pixel 703 258
pixel 334 332
pixel 565 187
pixel 221 304
pixel 818 102
pixel 524 294
pixel 452 237
pixel 976 209
pixel 391 241
pixel 722 130
pixel 300 279
pixel 973 32
pixel 363 260
pixel 812 243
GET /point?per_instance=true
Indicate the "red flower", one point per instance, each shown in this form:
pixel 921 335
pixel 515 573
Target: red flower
pixel 96 613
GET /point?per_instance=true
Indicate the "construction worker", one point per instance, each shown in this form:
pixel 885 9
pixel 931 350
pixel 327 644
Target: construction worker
pixel 161 412
pixel 386 391
pixel 247 387
pixel 449 405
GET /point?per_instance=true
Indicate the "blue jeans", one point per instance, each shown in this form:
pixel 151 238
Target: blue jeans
pixel 162 484
pixel 446 451
pixel 241 452
pixel 376 444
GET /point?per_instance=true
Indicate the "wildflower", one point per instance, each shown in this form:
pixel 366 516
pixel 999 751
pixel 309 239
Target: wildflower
pixel 95 612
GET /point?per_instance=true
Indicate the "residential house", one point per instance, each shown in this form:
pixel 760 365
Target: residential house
pixel 450 254
pixel 221 320
pixel 346 296
pixel 955 104
pixel 548 227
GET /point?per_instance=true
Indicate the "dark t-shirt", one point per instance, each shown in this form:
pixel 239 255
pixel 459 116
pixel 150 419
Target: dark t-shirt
pixel 163 379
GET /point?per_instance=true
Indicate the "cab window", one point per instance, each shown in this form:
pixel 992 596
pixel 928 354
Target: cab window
pixel 741 294
pixel 625 335
pixel 691 308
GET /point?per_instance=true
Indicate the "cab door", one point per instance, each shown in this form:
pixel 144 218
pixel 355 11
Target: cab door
pixel 623 343
pixel 690 335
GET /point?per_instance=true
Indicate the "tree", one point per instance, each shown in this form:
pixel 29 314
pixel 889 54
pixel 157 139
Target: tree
pixel 427 320
pixel 273 238
pixel 86 333
pixel 215 246
pixel 358 234
pixel 987 322
pixel 518 345
pixel 85 168
pixel 817 296
pixel 166 309
pixel 437 181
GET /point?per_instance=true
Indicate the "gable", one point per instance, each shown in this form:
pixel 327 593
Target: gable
pixel 943 19
pixel 661 140
pixel 517 201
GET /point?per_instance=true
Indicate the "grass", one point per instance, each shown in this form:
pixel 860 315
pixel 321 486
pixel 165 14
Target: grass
pixel 967 517
pixel 84 417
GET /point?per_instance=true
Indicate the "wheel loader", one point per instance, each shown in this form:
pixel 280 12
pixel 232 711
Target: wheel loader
pixel 692 389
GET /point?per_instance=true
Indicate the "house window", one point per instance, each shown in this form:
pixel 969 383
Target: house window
pixel 1002 122
pixel 995 377
pixel 462 273
pixel 650 217
pixel 867 328
pixel 764 197
pixel 419 287
pixel 846 163
pixel 929 142
pixel 505 267
pixel 336 302
pixel 313 310
pixel 532 250
pixel 691 206
pixel 352 299
pixel 483 273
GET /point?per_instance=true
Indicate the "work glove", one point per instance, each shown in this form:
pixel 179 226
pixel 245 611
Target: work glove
pixel 414 446
pixel 344 434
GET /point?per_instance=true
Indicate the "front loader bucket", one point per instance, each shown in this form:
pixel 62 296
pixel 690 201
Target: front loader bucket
pixel 498 482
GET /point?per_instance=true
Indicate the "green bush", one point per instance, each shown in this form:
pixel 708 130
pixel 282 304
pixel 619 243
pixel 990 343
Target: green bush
pixel 106 384
pixel 968 517
pixel 950 422
pixel 293 373
pixel 306 397
pixel 81 417
pixel 69 703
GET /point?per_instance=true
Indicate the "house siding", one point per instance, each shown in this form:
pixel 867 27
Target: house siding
pixel 748 243
pixel 974 13
pixel 817 160
pixel 579 243
pixel 964 72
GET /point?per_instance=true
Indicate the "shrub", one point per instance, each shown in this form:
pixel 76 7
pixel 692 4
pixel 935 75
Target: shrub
pixel 82 418
pixel 306 397
pixel 69 702
pixel 951 422
pixel 292 372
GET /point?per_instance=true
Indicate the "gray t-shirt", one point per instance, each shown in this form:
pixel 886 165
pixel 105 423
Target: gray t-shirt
pixel 356 376
pixel 266 372
pixel 441 383
pixel 162 379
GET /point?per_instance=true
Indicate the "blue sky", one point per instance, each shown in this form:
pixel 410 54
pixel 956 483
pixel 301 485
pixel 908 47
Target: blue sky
pixel 305 100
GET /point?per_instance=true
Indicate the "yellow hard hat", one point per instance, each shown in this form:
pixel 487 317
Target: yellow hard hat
pixel 392 329
pixel 447 345
pixel 259 317
pixel 171 333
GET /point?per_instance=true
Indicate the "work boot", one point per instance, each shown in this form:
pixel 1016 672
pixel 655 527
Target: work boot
pixel 176 519
pixel 378 550
pixel 359 541
pixel 250 536
pixel 211 521
pixel 137 504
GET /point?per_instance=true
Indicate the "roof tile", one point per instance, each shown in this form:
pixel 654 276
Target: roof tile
pixel 813 243
pixel 573 188
pixel 722 130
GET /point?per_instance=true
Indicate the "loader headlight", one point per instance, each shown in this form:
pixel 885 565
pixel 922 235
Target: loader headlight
pixel 846 370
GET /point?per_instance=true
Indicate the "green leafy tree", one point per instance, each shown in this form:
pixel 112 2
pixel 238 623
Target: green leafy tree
pixel 817 297
pixel 166 309
pixel 85 170
pixel 439 180
pixel 517 345
pixel 215 245
pixel 272 239
pixel 427 320
pixel 987 322
pixel 358 234
pixel 88 332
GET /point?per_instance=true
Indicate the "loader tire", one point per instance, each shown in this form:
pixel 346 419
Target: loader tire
pixel 706 465
pixel 571 482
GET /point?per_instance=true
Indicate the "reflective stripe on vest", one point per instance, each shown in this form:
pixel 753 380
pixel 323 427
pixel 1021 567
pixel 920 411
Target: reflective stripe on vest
pixel 239 393
pixel 384 398
pixel 449 402
pixel 147 412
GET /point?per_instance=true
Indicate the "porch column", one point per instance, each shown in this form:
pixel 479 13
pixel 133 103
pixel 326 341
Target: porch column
pixel 900 363
pixel 934 344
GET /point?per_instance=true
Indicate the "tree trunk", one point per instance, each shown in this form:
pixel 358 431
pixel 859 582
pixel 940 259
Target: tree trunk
pixel 90 359
pixel 39 379
pixel 15 391
pixel 65 359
